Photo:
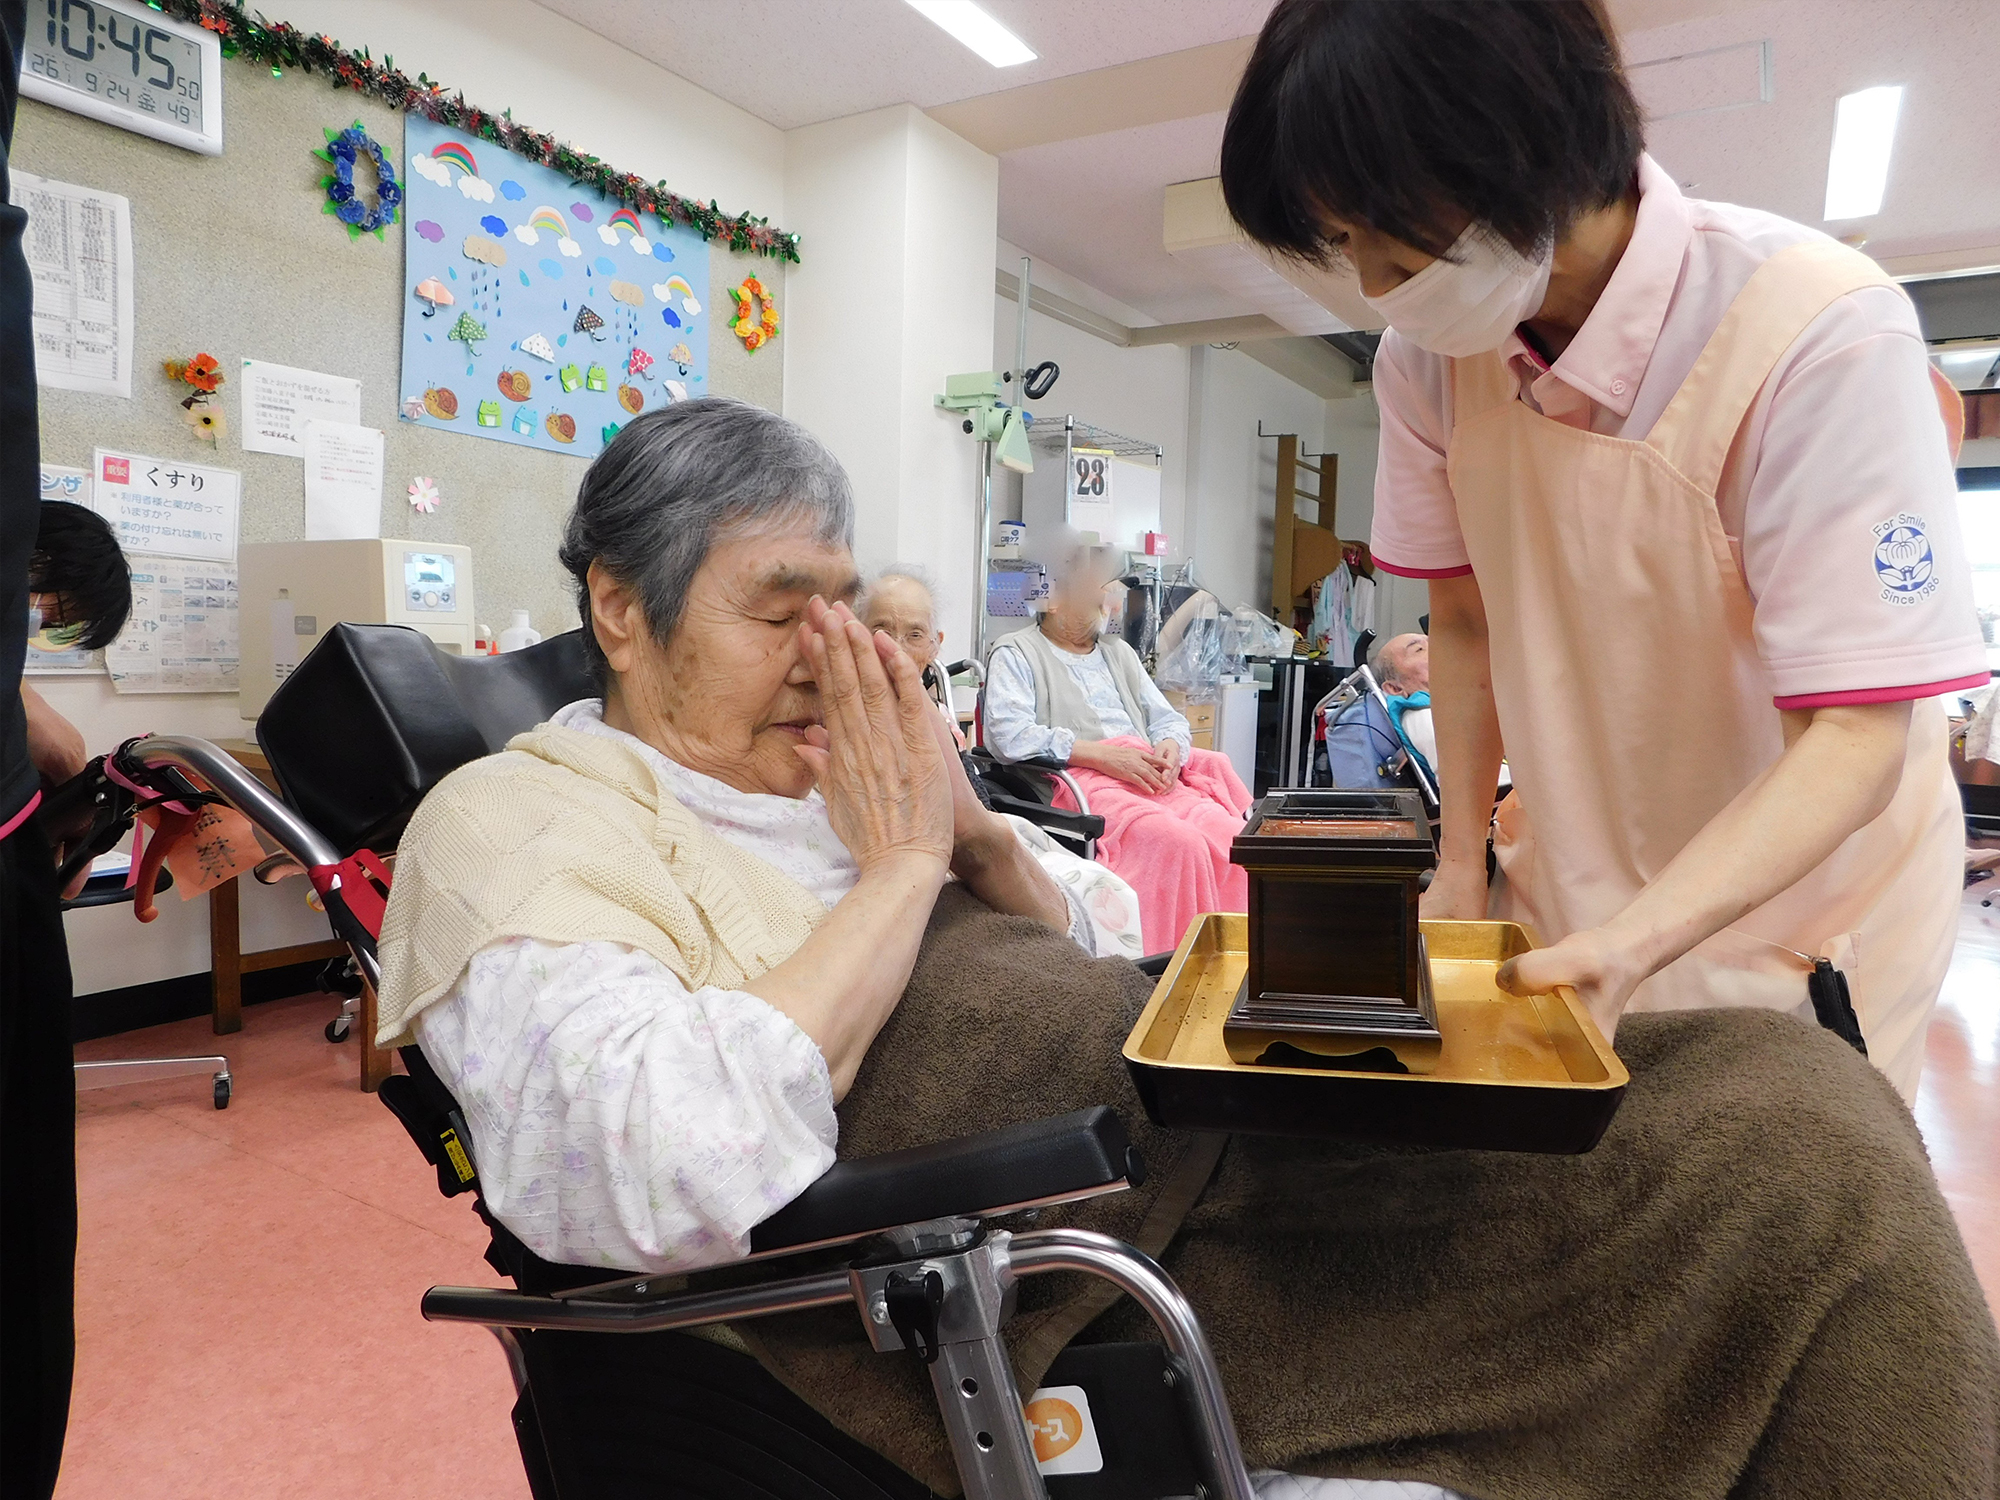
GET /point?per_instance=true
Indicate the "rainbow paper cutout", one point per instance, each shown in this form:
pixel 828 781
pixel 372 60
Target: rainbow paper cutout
pixel 629 219
pixel 677 286
pixel 548 218
pixel 459 156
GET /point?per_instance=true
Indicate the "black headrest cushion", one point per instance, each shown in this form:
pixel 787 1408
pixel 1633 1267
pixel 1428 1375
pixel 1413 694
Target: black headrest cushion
pixel 377 715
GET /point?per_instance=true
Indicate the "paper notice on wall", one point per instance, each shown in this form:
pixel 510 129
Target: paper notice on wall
pixel 182 635
pixel 163 508
pixel 1089 493
pixel 61 482
pixel 343 481
pixel 278 401
pixel 49 654
pixel 79 248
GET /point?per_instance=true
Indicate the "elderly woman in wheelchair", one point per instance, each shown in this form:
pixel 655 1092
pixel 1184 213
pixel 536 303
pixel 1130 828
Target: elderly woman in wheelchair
pixel 676 950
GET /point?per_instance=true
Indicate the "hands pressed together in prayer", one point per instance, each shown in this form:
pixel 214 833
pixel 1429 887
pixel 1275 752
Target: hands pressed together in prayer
pixel 897 797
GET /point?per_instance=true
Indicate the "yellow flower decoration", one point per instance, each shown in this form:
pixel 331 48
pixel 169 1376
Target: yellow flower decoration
pixel 756 320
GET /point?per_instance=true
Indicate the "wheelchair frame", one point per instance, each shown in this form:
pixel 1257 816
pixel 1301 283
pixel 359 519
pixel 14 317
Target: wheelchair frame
pixel 938 1284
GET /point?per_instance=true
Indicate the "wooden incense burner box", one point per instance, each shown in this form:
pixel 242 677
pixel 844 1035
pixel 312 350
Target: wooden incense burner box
pixel 1338 976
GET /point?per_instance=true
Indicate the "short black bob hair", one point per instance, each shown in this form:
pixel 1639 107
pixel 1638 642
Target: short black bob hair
pixel 1393 113
pixel 77 560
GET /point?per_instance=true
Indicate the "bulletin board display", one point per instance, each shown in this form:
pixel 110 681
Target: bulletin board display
pixel 233 255
pixel 536 312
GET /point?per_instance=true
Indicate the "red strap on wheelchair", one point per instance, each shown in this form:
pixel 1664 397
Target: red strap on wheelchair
pixel 360 883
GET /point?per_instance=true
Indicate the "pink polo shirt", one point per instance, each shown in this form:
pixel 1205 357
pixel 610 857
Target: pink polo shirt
pixel 1843 447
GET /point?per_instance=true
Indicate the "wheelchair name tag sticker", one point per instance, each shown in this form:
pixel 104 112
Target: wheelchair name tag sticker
pixel 1063 1433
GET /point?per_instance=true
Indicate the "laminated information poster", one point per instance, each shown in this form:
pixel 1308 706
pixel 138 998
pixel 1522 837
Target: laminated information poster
pixel 182 635
pixel 48 656
pixel 79 248
pixel 164 508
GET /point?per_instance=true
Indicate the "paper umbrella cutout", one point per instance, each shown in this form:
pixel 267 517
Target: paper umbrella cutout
pixel 433 294
pixel 539 346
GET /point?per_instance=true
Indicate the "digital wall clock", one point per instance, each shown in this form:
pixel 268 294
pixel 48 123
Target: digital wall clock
pixel 124 63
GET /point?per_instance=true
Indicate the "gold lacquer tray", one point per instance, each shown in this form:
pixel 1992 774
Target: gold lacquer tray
pixel 1516 1073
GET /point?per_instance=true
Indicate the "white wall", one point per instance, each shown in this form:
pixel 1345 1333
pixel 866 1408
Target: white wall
pixel 898 216
pixel 1232 485
pixel 557 77
pixel 572 83
pixel 1201 405
pixel 1354 431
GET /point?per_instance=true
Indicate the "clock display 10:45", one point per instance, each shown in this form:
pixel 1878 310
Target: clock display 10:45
pixel 96 50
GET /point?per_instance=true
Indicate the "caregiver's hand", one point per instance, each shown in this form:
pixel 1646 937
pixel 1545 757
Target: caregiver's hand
pixel 1141 768
pixel 875 758
pixel 1601 971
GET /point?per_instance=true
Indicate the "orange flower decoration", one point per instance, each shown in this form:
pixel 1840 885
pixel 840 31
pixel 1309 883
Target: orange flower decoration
pixel 203 372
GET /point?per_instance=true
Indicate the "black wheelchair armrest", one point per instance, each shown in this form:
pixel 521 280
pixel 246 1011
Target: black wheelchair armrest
pixel 1071 1156
pixel 1153 965
pixel 1056 819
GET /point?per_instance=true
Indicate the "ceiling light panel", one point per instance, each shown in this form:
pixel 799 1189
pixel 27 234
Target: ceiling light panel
pixel 1864 135
pixel 969 24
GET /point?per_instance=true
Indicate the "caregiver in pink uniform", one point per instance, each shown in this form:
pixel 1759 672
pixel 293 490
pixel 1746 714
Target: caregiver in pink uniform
pixel 1679 480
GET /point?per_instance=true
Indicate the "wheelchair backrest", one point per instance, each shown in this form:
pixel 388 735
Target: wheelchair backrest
pixel 377 715
pixel 1361 746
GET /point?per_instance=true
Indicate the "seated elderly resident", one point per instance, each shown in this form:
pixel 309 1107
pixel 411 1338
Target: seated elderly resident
pixel 1402 668
pixel 900 603
pixel 674 949
pixel 1064 690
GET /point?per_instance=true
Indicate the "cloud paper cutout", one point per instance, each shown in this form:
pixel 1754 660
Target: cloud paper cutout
pixel 478 189
pixel 431 170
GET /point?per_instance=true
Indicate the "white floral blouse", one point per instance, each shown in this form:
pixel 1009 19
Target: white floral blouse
pixel 619 1119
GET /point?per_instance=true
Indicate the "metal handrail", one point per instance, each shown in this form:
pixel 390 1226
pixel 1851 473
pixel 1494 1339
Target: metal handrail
pixel 500 1308
pixel 1032 1254
pixel 1140 1277
pixel 241 790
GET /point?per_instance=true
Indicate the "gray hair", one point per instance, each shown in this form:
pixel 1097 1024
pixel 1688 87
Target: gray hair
pixel 909 573
pixel 675 482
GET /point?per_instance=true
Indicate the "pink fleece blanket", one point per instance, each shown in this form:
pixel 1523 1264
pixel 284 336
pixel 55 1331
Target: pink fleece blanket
pixel 1173 848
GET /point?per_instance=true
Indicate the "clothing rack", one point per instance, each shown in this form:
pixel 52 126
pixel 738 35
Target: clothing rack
pixel 1303 552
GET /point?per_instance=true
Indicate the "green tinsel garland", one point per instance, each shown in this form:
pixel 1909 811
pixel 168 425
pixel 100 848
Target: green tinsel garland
pixel 279 46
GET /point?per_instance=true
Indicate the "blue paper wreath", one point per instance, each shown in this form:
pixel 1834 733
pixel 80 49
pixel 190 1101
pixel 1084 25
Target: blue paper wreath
pixel 342 148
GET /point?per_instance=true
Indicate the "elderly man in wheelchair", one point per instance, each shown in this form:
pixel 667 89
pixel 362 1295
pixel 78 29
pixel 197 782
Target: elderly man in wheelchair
pixel 743 1016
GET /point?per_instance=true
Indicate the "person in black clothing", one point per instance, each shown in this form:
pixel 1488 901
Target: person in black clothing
pixel 37 1087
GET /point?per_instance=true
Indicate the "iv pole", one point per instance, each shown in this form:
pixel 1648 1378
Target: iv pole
pixel 983 477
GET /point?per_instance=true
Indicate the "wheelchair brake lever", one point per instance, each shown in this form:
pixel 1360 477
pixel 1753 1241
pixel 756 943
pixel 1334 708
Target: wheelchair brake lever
pixel 914 1305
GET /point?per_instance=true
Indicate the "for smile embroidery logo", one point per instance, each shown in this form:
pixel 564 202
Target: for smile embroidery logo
pixel 1903 560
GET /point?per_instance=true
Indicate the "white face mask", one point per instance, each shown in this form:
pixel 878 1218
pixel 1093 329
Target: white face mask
pixel 1469 303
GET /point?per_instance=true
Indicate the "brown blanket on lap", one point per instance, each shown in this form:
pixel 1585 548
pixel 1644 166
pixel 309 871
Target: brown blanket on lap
pixel 1752 1288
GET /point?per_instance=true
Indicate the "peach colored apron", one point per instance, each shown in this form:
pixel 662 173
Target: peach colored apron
pixel 1634 706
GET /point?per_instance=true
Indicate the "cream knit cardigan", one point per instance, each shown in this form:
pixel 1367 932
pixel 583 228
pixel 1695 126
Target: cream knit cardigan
pixel 567 837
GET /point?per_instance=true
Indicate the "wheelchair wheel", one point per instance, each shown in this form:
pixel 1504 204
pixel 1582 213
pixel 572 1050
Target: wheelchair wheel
pixel 222 1090
pixel 337 1028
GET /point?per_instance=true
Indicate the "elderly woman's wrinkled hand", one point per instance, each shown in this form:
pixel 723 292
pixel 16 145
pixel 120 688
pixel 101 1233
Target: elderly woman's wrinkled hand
pixel 874 756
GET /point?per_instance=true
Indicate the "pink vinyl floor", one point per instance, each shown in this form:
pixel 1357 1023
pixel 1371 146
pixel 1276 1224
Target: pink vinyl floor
pixel 248 1279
